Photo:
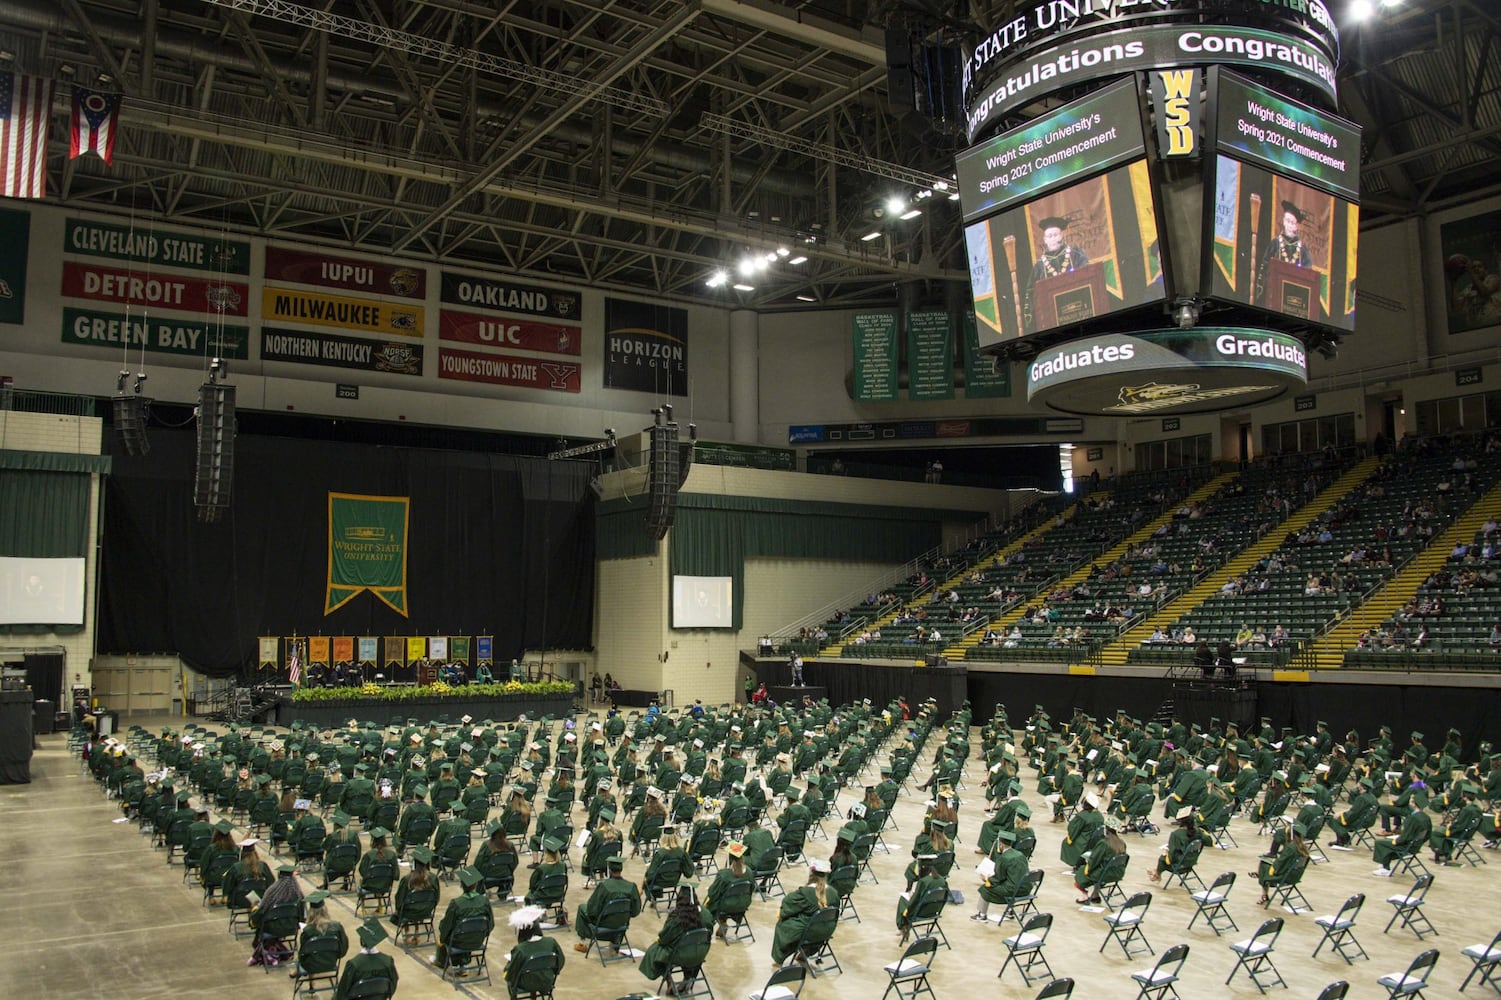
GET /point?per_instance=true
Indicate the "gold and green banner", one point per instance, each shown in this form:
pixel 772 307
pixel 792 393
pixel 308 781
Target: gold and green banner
pixel 416 648
pixel 367 549
pixel 458 648
pixel 270 652
pixel 317 650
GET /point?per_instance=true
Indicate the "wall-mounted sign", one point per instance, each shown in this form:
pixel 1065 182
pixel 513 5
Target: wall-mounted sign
pixel 1469 376
pixel 508 331
pixel 333 351
pixel 509 296
pixel 163 334
pixel 930 355
pixel 508 369
pixel 306 268
pixel 1170 424
pixel 1302 404
pixel 345 391
pixel 144 246
pixel 1094 455
pixel 296 305
pixel 646 347
pixel 153 290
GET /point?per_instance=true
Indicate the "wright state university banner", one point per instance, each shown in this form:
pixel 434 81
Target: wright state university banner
pixel 367 549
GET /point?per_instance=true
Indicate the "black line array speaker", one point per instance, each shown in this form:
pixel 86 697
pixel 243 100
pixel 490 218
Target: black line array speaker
pixel 216 450
pixel 130 424
pixel 901 86
pixel 662 480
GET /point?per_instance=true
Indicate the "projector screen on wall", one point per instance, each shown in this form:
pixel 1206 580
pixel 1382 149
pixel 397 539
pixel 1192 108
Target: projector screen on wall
pixel 702 602
pixel 41 591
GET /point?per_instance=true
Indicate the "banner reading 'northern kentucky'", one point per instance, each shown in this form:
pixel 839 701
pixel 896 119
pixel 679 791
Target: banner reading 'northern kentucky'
pixel 509 296
pixel 504 331
pixel 367 549
pixel 508 369
pixel 306 268
pixel 305 348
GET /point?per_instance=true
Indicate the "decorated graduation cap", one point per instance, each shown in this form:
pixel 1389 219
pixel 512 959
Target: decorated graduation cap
pixel 372 933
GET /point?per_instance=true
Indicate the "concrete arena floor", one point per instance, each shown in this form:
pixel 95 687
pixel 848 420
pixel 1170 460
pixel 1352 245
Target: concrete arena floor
pixel 92 910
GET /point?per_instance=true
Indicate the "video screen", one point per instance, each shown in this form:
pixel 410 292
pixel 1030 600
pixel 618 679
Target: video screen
pixel 703 602
pixel 1078 253
pixel 1282 246
pixel 41 591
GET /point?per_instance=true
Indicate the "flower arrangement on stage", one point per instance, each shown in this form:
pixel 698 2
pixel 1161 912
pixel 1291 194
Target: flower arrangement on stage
pixel 424 692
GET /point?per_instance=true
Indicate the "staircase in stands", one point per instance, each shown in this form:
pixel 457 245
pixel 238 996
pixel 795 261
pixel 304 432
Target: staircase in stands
pixel 1116 653
pixel 836 650
pixel 1006 620
pixel 1329 650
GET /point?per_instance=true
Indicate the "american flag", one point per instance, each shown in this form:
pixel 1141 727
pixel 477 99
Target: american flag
pixel 25 109
pixel 296 672
pixel 96 120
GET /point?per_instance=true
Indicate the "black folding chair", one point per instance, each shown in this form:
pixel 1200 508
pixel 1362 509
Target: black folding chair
pixel 1058 988
pixel 1339 930
pixel 1414 981
pixel 610 928
pixel 781 984
pixel 1487 959
pixel 1255 955
pixel 1157 982
pixel 1408 908
pixel 1125 927
pixel 1211 904
pixel 909 974
pixel 466 951
pixel 1024 948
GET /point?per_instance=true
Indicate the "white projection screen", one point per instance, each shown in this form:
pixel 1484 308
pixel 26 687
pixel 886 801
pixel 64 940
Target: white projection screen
pixel 703 602
pixel 41 591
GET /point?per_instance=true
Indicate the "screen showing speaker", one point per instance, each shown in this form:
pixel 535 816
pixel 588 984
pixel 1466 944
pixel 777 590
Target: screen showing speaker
pixel 41 591
pixel 1079 252
pixel 703 602
pixel 1281 245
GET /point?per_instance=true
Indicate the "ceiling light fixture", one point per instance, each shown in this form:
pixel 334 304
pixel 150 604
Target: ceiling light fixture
pixel 911 213
pixel 799 259
pixel 741 286
pixel 806 298
pixel 717 279
pixel 870 236
pixel 896 205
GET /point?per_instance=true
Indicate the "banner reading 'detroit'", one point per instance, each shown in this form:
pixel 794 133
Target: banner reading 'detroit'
pixel 367 549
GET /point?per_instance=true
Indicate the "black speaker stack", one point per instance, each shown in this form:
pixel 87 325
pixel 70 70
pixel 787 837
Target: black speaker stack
pixel 216 450
pixel 130 424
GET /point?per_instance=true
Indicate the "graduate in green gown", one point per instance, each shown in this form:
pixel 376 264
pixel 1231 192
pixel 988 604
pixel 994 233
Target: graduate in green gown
pixel 530 943
pixel 473 902
pixel 798 907
pixel 320 925
pixel 685 916
pixel 613 887
pixel 734 870
pixel 370 963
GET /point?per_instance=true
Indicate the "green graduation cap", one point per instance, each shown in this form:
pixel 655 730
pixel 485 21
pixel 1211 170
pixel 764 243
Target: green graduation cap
pixel 422 854
pixel 470 876
pixel 371 933
pixel 1009 836
pixel 223 826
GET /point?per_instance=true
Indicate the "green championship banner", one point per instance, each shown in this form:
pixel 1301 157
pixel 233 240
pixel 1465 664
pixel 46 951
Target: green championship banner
pixel 981 379
pixel 367 549
pixel 930 355
pixel 875 353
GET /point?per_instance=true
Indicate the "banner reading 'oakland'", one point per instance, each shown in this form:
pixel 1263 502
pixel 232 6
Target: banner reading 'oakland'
pixel 367 549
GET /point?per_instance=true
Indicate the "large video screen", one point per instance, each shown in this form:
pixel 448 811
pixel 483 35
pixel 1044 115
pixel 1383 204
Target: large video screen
pixel 1077 253
pixel 41 591
pixel 703 602
pixel 1281 245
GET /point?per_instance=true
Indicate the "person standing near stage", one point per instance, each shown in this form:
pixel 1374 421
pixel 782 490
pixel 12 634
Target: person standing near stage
pixel 1058 257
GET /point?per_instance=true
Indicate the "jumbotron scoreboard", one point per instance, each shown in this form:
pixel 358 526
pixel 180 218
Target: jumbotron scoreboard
pixel 1161 212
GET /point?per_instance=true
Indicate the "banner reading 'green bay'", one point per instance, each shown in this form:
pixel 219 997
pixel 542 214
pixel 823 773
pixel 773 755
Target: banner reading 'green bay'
pixel 367 549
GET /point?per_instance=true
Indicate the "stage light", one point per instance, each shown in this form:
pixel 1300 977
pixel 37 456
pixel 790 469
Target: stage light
pixel 717 279
pixel 747 266
pixel 1361 10
pixel 783 252
pixel 896 205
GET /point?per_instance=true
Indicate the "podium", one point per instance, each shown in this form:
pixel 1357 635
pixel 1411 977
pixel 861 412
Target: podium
pixel 1293 290
pixel 1070 298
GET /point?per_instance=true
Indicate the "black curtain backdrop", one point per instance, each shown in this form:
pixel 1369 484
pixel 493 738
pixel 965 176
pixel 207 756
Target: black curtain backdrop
pixel 498 545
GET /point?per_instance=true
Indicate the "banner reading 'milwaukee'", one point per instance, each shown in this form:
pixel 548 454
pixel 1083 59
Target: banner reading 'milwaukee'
pixel 367 549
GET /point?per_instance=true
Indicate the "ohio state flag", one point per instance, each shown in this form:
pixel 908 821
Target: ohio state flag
pixel 96 119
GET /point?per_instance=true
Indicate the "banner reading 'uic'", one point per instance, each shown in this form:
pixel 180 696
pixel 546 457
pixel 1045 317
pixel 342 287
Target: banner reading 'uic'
pixel 367 549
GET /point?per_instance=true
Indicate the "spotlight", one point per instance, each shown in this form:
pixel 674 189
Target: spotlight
pixel 896 205
pixel 747 266
pixel 783 252
pixel 1187 314
pixel 717 279
pixel 1361 10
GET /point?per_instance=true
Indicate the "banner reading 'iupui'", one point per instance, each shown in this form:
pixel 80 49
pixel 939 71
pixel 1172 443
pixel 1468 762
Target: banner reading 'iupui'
pixel 367 549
